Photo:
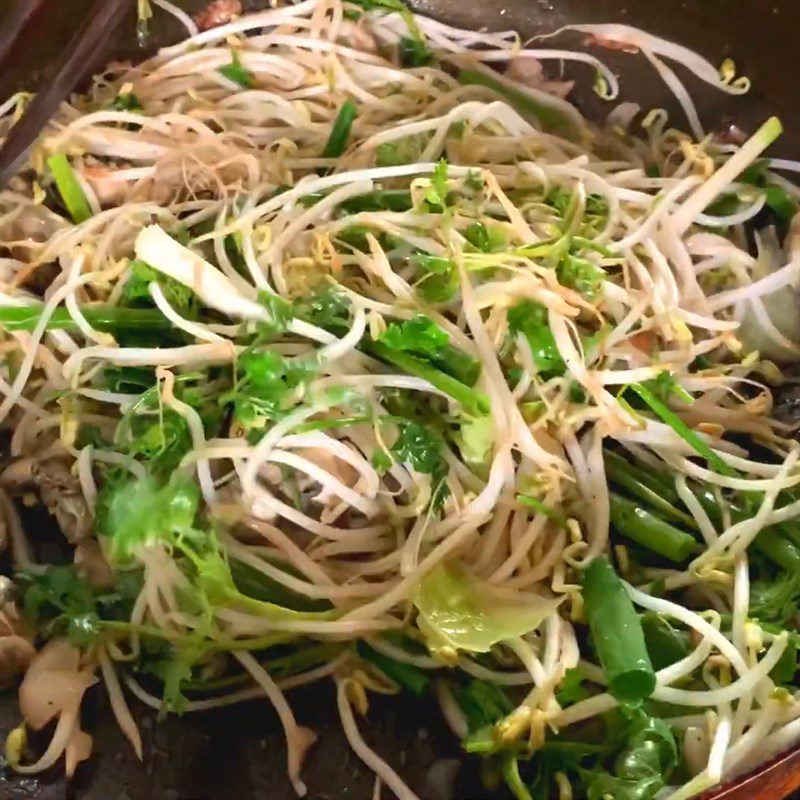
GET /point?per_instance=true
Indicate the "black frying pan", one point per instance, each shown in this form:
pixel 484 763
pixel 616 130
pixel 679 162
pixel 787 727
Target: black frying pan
pixel 238 753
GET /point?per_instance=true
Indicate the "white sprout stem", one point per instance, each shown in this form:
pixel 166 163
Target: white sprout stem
pixel 118 705
pixel 26 367
pixel 196 431
pixel 298 739
pixel 687 213
pixel 192 354
pixel 88 485
pixel 195 329
pixel 746 683
pixel 362 750
pixel 692 620
pixel 180 15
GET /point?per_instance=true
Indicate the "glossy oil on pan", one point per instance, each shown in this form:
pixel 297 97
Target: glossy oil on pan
pixel 237 754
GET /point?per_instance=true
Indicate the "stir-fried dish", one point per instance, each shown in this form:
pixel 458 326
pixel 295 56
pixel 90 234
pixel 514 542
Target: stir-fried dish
pixel 343 348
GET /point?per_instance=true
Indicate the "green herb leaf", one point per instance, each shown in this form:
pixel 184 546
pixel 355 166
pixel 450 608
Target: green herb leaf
pixel 328 308
pixel 63 603
pixel 776 599
pixel 643 768
pixel 419 335
pixel 238 73
pixel 422 450
pixel 126 101
pixel 572 688
pixel 215 583
pixel 136 291
pixel 580 274
pixel 438 280
pixel 483 703
pixel 531 319
pixel 281 313
pixel 666 645
pixel 423 338
pixel 436 194
pixel 489 239
pixel 260 586
pixel 139 512
pixel 268 386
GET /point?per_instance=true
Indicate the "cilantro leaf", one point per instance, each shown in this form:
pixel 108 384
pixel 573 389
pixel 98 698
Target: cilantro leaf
pixel 418 447
pixel 422 337
pixel 572 688
pixel 138 512
pixel 158 435
pixel 531 319
pixel 486 239
pixel 63 603
pixel 161 439
pixel 267 387
pixel 126 101
pixel 281 312
pixel 136 291
pixel 438 280
pixel 436 194
pixel 421 449
pixel 580 274
pixel 418 335
pixel 328 308
pixel 129 380
pixel 175 667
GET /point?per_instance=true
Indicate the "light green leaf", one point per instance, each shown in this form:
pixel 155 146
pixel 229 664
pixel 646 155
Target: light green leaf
pixel 460 611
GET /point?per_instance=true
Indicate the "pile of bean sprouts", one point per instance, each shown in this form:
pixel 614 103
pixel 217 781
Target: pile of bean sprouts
pixel 318 501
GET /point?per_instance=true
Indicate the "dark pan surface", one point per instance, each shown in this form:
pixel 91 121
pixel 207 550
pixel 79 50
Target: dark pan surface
pixel 238 753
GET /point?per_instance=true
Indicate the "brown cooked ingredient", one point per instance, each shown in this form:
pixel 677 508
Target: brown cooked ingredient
pixel 217 13
pixel 60 491
pixel 16 646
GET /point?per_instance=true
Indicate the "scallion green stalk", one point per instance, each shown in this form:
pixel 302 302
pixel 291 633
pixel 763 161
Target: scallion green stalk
pixel 69 188
pixel 617 633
